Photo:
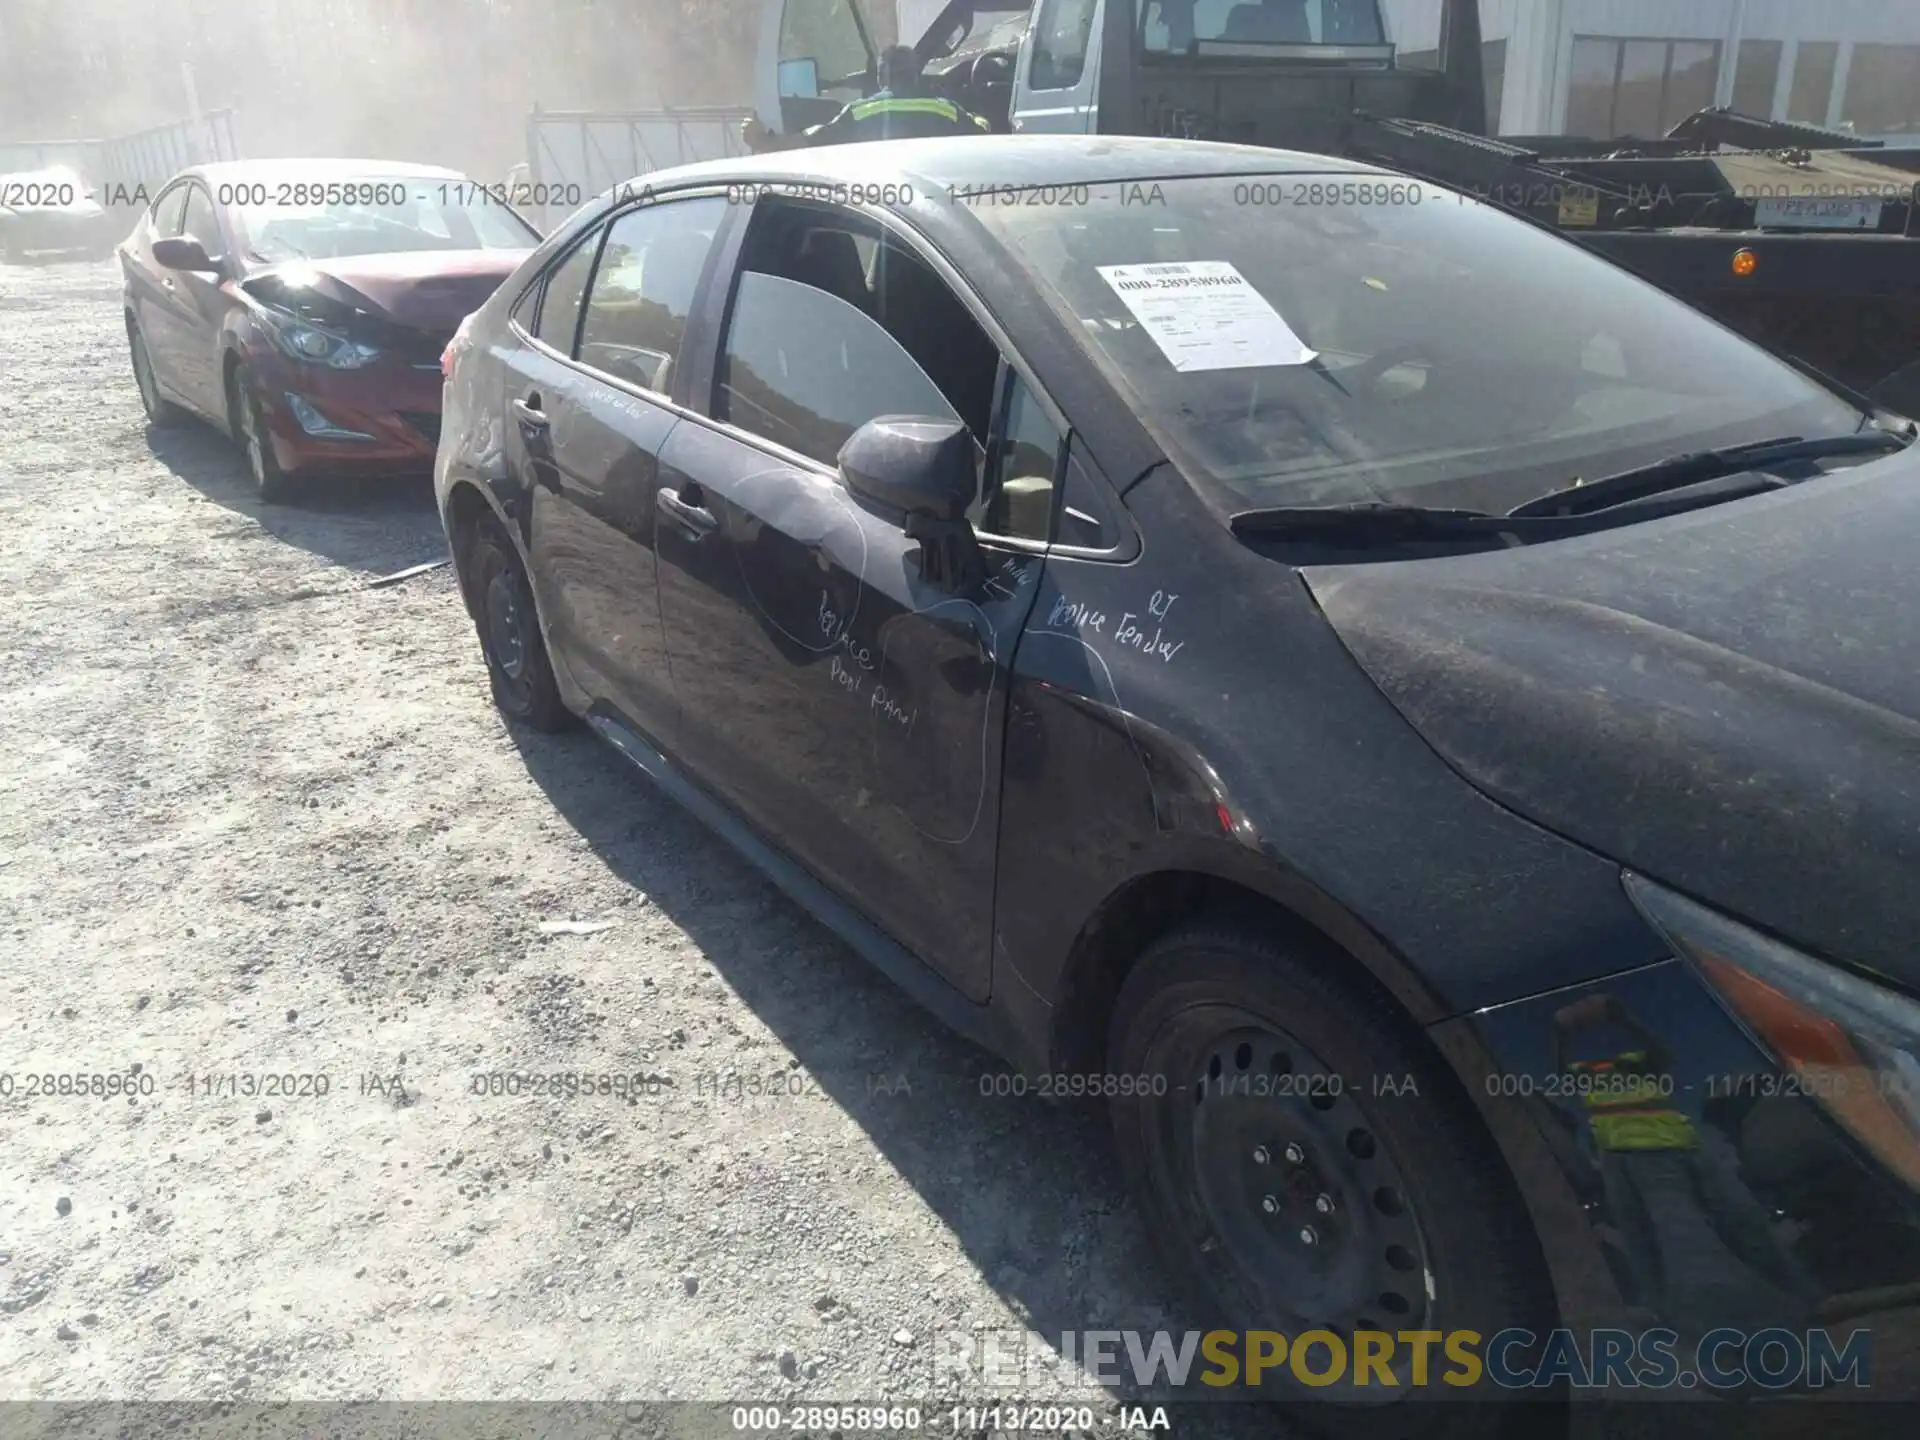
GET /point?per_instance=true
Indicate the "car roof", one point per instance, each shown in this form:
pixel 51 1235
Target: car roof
pixel 225 172
pixel 1012 160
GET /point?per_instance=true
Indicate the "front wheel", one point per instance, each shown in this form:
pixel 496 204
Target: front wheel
pixel 249 425
pixel 1309 1165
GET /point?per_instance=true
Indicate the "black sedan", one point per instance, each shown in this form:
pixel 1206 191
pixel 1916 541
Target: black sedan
pixel 1423 724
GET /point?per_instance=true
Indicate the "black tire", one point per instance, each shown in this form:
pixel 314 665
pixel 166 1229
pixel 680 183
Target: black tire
pixel 518 668
pixel 249 426
pixel 161 412
pixel 1285 1195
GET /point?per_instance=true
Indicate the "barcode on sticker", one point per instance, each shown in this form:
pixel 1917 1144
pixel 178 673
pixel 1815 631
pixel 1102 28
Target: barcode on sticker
pixel 1164 270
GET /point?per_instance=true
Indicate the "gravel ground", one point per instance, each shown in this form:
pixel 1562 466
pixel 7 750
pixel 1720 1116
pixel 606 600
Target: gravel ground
pixel 258 819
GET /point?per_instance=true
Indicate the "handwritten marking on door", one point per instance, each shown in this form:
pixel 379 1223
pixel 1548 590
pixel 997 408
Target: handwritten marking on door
pixel 1009 579
pixel 885 706
pixel 1077 615
pixel 1137 636
pixel 834 630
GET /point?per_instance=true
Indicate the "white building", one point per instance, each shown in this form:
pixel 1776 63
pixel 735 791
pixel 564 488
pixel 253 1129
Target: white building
pixel 1608 68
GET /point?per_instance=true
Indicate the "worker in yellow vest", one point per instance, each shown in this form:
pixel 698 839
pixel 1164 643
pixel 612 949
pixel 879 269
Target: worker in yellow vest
pixel 901 109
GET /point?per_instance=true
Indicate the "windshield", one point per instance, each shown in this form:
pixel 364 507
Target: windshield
pixel 997 28
pixel 373 215
pixel 1172 27
pixel 1323 340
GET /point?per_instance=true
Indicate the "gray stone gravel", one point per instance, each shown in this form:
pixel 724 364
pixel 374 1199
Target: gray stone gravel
pixel 258 821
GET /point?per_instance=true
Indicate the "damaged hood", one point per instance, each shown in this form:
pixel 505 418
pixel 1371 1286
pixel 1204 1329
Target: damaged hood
pixel 426 290
pixel 1727 701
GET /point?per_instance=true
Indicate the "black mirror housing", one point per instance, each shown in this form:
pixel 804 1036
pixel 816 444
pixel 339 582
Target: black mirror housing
pixel 922 466
pixel 914 463
pixel 183 252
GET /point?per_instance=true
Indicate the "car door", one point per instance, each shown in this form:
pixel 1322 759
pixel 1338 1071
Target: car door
pixel 1057 72
pixel 159 305
pixel 201 303
pixel 592 405
pixel 850 708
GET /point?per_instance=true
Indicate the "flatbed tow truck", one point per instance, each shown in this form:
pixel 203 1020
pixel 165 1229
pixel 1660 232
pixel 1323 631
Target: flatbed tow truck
pixel 1804 239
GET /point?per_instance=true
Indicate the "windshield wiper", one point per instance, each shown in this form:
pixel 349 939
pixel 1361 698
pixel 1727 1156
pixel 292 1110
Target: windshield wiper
pixel 1679 471
pixel 1379 524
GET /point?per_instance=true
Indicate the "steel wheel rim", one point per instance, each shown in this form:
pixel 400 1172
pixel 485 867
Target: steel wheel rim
pixel 1301 1218
pixel 506 629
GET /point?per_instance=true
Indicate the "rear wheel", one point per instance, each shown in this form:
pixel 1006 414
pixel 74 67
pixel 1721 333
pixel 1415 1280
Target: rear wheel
pixel 249 425
pixel 1309 1167
pixel 160 411
pixel 518 668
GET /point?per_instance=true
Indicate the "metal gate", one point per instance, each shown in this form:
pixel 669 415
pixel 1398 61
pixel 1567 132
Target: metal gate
pixel 574 155
pixel 122 164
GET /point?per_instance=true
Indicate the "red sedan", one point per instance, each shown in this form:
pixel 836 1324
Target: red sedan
pixel 303 306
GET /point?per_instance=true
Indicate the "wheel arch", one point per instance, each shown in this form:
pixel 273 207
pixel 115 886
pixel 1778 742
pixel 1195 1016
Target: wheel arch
pixel 1150 904
pixel 466 504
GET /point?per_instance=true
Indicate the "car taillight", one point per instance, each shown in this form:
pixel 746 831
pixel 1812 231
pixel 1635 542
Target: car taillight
pixel 446 355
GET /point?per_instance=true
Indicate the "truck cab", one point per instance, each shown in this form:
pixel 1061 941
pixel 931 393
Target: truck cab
pixel 1289 73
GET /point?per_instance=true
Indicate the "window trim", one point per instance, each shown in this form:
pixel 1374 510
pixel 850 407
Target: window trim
pixel 693 311
pixel 596 234
pixel 596 237
pixel 219 228
pixel 184 183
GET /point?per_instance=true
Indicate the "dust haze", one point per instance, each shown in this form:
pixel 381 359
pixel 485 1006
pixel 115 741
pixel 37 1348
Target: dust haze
pixel 445 82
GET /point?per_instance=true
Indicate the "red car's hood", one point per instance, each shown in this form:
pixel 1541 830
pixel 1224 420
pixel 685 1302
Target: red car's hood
pixel 432 290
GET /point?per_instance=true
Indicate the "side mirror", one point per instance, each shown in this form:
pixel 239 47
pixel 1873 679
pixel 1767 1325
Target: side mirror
pixel 183 252
pixel 913 463
pixel 925 468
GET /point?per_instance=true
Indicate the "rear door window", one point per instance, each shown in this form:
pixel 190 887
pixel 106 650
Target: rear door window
pixel 559 318
pixel 644 288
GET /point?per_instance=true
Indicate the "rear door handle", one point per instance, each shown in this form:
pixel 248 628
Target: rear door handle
pixel 529 416
pixel 696 519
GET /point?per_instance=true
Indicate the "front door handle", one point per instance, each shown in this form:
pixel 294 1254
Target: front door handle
pixel 697 520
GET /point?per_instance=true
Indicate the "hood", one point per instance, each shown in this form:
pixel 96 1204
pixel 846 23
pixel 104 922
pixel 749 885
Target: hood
pixel 1727 701
pixel 429 290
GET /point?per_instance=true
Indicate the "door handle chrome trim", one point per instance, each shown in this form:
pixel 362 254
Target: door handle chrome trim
pixel 697 519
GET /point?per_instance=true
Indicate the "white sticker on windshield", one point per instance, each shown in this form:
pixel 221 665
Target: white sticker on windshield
pixel 1205 316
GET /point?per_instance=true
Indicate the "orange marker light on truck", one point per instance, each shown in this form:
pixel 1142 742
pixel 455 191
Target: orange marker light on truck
pixel 1745 262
